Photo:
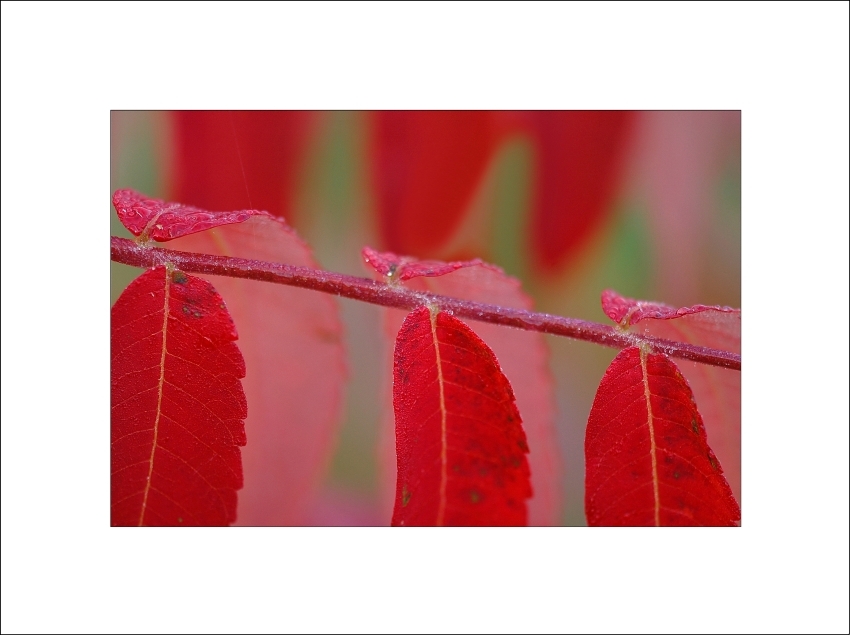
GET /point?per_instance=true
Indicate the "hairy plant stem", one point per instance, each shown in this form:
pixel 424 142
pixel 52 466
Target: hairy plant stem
pixel 394 295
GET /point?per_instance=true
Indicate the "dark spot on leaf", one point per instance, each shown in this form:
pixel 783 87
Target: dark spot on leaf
pixel 192 312
pixel 522 445
pixel 694 426
pixel 178 277
pixel 405 496
pixel 179 519
pixel 676 475
pixel 713 462
pixel 474 497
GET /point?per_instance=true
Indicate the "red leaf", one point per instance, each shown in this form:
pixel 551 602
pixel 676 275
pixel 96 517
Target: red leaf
pixel 647 456
pixel 404 268
pixel 426 166
pixel 235 159
pixel 707 324
pixel 161 221
pixel 716 390
pixel 292 342
pixel 579 157
pixel 460 445
pixel 523 357
pixel 177 404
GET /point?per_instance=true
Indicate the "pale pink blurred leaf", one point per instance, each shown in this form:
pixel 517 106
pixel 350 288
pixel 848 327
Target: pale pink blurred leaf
pixel 294 357
pixel 333 507
pixel 679 156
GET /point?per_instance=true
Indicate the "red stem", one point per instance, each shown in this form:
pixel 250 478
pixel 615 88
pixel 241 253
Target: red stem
pixel 131 253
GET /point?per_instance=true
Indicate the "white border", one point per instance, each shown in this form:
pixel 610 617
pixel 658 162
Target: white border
pixel 65 65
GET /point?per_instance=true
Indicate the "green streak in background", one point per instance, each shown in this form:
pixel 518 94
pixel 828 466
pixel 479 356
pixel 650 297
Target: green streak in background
pixel 617 255
pixel 333 217
pixel 620 250
pixel 331 194
pixel 135 163
pixel 629 268
pixel 721 250
pixel 729 194
pixel 353 465
pixel 512 200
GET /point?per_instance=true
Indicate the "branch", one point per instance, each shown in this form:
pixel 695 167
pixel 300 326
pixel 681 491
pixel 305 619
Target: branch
pixel 131 253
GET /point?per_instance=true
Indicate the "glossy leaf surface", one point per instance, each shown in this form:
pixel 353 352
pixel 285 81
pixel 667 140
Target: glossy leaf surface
pixel 395 267
pixel 460 444
pixel 716 390
pixel 426 166
pixel 716 324
pixel 647 457
pixel 178 408
pixel 162 221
